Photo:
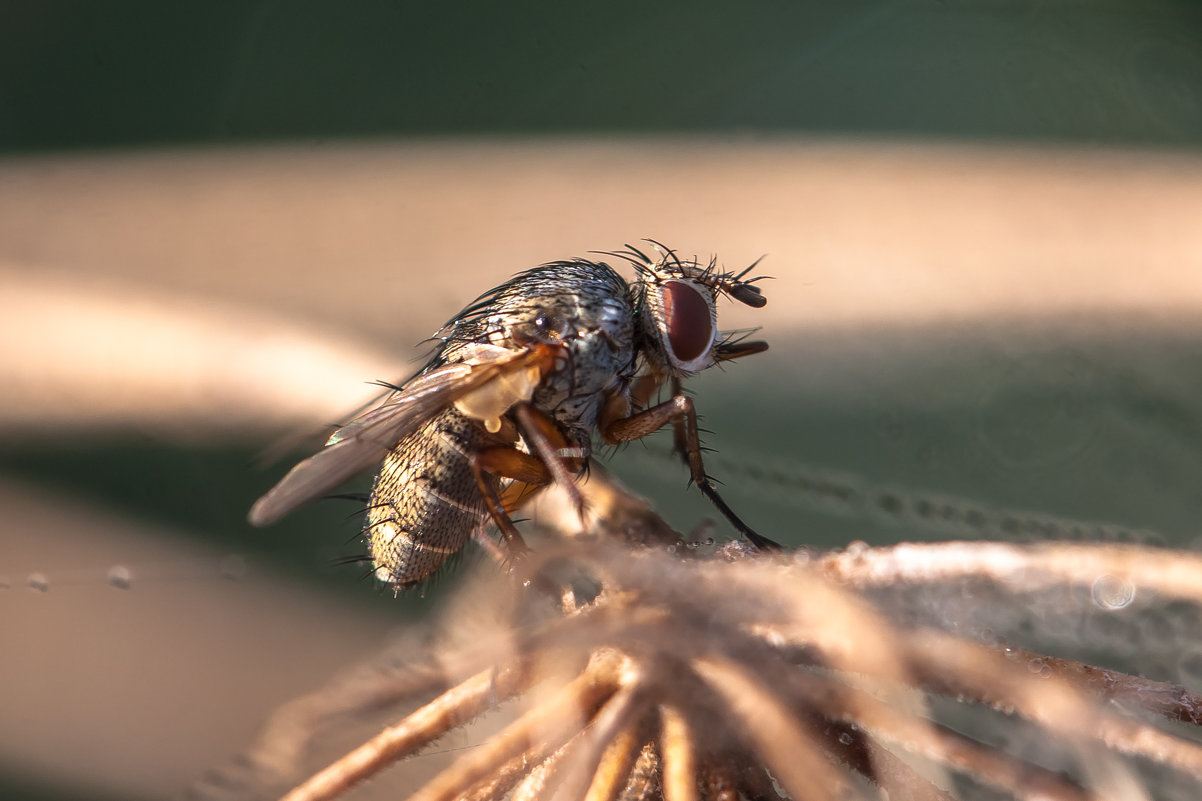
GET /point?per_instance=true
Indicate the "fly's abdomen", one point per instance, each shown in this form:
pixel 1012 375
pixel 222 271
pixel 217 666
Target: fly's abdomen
pixel 425 502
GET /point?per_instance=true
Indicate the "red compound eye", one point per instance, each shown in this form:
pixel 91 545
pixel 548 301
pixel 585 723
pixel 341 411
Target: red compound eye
pixel 687 318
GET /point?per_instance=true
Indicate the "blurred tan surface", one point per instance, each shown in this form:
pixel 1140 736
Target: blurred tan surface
pixel 386 239
pixel 293 251
pixel 163 288
pixel 135 692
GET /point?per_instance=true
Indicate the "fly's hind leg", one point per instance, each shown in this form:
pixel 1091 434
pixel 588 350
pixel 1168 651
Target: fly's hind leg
pixel 551 462
pixel 506 462
pixel 679 411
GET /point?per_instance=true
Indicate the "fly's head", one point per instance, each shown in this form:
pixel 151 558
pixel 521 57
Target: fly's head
pixel 676 309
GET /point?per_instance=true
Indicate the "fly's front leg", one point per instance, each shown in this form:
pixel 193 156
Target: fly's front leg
pixel 641 393
pixel 680 412
pixel 680 434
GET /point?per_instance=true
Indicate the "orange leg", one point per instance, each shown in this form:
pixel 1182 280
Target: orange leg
pixel 680 412
pixel 506 462
pixel 545 439
pixel 548 463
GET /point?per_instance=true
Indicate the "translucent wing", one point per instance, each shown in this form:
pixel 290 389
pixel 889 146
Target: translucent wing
pixel 365 440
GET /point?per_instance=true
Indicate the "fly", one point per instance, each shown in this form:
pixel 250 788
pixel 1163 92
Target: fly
pixel 521 380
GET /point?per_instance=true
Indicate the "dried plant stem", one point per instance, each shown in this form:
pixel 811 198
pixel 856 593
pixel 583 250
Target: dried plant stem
pixel 616 765
pixel 533 786
pixel 453 708
pixel 281 745
pixel 679 755
pixel 960 668
pixel 582 761
pixel 781 670
pixel 1020 567
pixel 932 741
pixel 1159 697
pixel 787 750
pixel 517 769
pixel 539 732
pixel 867 757
pixel 901 780
pixel 644 784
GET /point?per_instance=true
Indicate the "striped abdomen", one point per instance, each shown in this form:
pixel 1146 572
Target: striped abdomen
pixel 425 502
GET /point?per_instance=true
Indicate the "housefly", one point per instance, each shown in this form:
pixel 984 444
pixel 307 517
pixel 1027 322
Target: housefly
pixel 519 382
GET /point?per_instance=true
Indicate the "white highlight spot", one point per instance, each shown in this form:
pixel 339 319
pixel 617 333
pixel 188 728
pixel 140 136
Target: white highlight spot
pixel 385 533
pixel 1112 592
pixel 120 576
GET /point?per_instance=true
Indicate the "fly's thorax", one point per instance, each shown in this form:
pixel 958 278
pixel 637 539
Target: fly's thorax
pixel 599 357
pixel 585 309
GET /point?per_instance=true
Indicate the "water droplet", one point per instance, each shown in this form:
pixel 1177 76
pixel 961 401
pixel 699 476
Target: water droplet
pixel 709 540
pixel 856 548
pixel 845 738
pixel 120 577
pixel 233 567
pixel 1112 592
pixel 38 581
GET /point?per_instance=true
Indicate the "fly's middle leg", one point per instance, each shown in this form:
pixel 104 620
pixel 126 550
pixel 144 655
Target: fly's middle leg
pixel 545 438
pixel 679 411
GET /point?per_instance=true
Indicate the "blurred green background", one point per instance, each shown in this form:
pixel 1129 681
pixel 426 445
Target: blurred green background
pixel 127 76
pixel 130 74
